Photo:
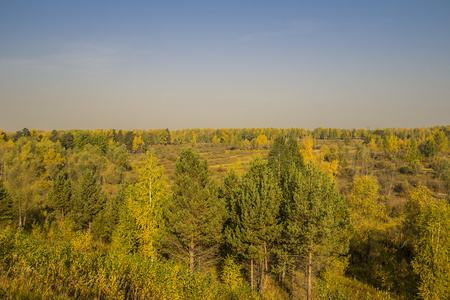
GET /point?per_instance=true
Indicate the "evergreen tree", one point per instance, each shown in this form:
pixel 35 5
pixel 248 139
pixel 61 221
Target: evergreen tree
pixel 60 194
pixel 256 226
pixel 125 235
pixel 230 193
pixel 88 199
pixel 284 159
pixel 6 206
pixel 317 221
pixel 194 214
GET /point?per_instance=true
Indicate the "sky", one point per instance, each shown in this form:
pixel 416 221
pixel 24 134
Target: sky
pixel 224 64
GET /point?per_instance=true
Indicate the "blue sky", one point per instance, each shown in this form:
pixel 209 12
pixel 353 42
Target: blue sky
pixel 224 64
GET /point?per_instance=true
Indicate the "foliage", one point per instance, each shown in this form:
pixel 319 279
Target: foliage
pixel 255 227
pixel 365 206
pixel 382 173
pixel 317 221
pixel 194 214
pixel 6 206
pixel 431 263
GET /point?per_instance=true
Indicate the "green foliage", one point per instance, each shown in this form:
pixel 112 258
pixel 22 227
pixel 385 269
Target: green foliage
pixel 194 214
pixel 60 194
pixel 6 206
pixel 125 226
pixel 88 200
pixel 35 269
pixel 317 221
pixel 443 172
pixel 431 263
pixel 256 226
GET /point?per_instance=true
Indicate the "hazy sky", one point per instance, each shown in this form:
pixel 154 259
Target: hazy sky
pixel 224 64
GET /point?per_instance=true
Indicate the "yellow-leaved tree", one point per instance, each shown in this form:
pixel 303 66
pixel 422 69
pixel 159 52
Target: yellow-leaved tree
pixel 366 209
pixel 307 150
pixel 141 219
pixel 149 195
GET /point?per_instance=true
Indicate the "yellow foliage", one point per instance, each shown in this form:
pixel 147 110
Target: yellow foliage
pixel 261 141
pixel 366 209
pixel 138 144
pixel 307 150
pixel 82 241
pixel 146 205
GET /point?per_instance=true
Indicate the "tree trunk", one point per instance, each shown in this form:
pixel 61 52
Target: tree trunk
pixel 261 281
pixel 191 258
pixel 308 277
pixel 251 272
pixel 265 265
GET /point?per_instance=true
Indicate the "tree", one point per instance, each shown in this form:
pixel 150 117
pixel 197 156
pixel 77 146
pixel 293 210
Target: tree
pixel 138 144
pixel 229 192
pixel 67 140
pixel 6 206
pixel 284 157
pixel 146 204
pixel 416 204
pixel 390 146
pixel 430 149
pixel 256 226
pixel 364 204
pixel 431 262
pixel 88 200
pixel 60 194
pixel 194 214
pixel 443 172
pixel 317 222
pixel 125 235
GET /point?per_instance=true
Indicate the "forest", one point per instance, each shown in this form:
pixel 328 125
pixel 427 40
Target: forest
pixel 256 213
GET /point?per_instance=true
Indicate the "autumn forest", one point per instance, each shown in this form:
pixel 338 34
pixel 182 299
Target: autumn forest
pixel 260 213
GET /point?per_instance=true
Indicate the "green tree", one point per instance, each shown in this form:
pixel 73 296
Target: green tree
pixel 229 193
pixel 126 230
pixel 443 172
pixel 60 194
pixel 317 223
pixel 194 214
pixel 431 262
pixel 6 206
pixel 441 141
pixel 88 200
pixel 256 227
pixel 429 148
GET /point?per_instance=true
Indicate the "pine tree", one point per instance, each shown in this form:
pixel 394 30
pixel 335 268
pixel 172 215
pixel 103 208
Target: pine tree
pixel 194 214
pixel 6 206
pixel 88 200
pixel 284 159
pixel 60 194
pixel 229 193
pixel 317 221
pixel 125 236
pixel 256 226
